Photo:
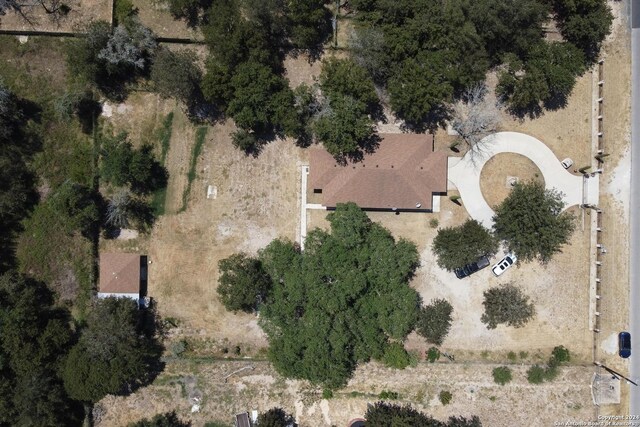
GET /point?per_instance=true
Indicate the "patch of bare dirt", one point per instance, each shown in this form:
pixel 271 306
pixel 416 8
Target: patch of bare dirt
pixel 301 69
pixel 260 388
pixel 36 18
pixel 155 15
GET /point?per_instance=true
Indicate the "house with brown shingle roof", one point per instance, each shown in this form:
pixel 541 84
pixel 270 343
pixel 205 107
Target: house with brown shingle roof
pixel 123 276
pixel 403 174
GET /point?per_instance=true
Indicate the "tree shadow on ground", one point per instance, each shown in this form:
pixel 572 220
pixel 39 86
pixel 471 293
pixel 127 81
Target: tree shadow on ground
pixel 531 112
pixel 88 111
pixel 437 117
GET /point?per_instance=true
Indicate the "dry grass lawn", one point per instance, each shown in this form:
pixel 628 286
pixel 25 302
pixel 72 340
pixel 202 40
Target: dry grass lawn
pixel 497 174
pixel 614 200
pixel 258 201
pixel 82 12
pixel 155 15
pixel 474 393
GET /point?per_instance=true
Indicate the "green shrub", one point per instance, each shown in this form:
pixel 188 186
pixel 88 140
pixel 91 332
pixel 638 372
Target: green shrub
pixel 524 354
pixel 434 321
pixel 395 356
pixel 551 372
pixel 511 356
pixel 123 10
pixel 561 354
pixel 502 375
pixel 445 397
pixel 327 393
pixel 433 354
pixel 433 223
pixel 388 395
pixel 414 358
pixel 536 374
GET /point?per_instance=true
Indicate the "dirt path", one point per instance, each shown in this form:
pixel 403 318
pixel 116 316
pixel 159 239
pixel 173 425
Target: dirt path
pixel 178 160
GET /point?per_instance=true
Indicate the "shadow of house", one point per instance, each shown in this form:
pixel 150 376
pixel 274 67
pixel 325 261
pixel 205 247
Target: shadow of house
pixel 404 174
pixel 243 420
pixel 124 276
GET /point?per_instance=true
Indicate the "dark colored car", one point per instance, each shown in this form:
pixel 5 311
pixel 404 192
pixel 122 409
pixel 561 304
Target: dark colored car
pixel 471 268
pixel 624 344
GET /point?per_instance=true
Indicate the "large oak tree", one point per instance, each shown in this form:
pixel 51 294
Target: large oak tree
pixel 531 222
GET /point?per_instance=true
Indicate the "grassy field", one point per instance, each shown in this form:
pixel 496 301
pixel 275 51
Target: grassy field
pixel 201 134
pixel 164 137
pixel 36 72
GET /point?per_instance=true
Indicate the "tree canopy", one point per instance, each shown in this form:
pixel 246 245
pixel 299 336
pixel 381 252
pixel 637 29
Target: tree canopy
pixel 502 375
pixel 34 338
pixel 425 52
pixel 345 129
pixel 276 417
pixel 190 10
pixel 343 77
pixel 308 22
pixel 340 301
pixel 456 247
pixel 546 78
pixel 176 75
pixel 17 183
pixel 531 222
pixel 419 90
pixel 585 23
pixel 247 41
pixel 506 304
pixel 382 414
pixel 109 59
pixel 434 321
pixel 79 207
pixel 117 351
pixel 243 283
pixel 262 100
pixel 124 165
pixel 168 419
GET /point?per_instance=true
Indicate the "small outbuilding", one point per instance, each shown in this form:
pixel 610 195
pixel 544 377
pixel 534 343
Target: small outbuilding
pixel 123 276
pixel 242 420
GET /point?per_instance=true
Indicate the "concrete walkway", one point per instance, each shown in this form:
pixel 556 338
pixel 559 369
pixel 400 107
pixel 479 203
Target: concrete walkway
pixel 464 173
pixel 304 173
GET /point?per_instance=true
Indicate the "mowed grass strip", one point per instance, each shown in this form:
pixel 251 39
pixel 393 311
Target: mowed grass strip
pixel 164 137
pixel 201 134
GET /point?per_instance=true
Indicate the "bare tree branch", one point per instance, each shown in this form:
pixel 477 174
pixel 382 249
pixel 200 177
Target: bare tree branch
pixel 475 117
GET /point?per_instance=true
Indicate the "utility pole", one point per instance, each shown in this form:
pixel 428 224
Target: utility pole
pixel 618 375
